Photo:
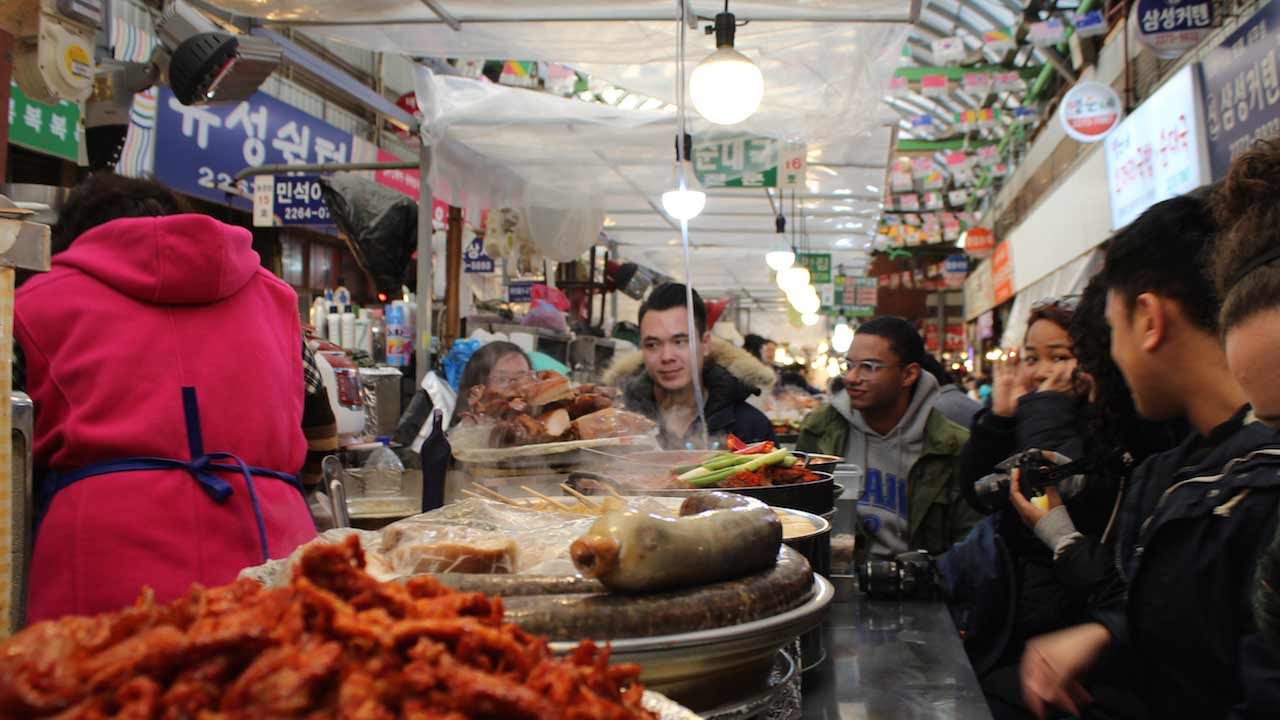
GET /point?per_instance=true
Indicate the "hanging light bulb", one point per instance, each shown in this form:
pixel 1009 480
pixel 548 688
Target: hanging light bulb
pixel 806 302
pixel 841 337
pixel 793 278
pixel 780 255
pixel 726 87
pixel 811 319
pixel 686 198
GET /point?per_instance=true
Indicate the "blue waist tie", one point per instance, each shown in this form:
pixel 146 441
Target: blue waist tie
pixel 201 467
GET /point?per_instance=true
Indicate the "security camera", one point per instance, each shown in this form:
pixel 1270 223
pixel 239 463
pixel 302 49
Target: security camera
pixel 207 64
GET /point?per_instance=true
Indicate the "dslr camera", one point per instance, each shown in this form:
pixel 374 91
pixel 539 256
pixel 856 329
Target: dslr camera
pixel 1039 469
pixel 909 576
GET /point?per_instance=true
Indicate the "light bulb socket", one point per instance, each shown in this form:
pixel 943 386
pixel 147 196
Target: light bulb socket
pixel 688 147
pixel 780 224
pixel 726 25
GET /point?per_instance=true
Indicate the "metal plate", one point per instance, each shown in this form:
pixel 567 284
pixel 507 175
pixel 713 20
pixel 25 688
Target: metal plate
pixel 686 665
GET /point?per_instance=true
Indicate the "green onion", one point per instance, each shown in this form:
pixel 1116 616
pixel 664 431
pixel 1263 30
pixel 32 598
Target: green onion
pixel 754 463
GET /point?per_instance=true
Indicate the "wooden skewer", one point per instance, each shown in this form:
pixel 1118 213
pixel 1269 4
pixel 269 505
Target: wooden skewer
pixel 475 494
pixel 586 501
pixel 491 494
pixel 548 500
pixel 612 490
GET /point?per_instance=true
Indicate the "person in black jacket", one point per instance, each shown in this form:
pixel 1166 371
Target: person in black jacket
pixel 1194 519
pixel 1043 401
pixel 663 390
pixel 1246 272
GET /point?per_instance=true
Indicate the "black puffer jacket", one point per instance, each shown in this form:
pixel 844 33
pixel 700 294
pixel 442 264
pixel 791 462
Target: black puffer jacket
pixel 1028 595
pixel 1189 533
pixel 725 407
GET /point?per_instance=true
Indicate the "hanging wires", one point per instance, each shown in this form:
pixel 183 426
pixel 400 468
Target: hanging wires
pixel 694 338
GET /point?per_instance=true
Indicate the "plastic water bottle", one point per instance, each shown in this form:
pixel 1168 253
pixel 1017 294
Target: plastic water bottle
pixel 383 472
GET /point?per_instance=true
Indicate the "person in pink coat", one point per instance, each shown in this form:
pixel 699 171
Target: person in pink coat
pixel 165 367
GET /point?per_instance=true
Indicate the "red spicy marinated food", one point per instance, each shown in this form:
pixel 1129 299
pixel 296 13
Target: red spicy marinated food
pixel 334 643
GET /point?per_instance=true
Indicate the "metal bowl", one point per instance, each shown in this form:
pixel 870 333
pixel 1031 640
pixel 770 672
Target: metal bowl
pixel 820 463
pixel 815 497
pixel 708 668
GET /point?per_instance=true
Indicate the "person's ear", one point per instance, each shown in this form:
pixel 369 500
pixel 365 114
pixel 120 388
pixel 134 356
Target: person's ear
pixel 1150 321
pixel 706 342
pixel 910 375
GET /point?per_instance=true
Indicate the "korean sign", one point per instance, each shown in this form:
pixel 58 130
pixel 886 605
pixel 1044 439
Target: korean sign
pixel 856 297
pixel 50 129
pixel 200 148
pixel 288 200
pixel 1002 273
pixel 1171 27
pixel 1158 151
pixel 1089 111
pixel 1240 86
pixel 474 258
pixel 819 265
pixel 737 162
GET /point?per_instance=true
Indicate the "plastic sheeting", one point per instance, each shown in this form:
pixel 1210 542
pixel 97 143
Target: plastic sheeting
pixel 622 30
pixel 380 225
pixel 568 164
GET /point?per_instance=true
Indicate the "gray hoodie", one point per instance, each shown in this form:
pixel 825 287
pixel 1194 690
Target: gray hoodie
pixel 886 461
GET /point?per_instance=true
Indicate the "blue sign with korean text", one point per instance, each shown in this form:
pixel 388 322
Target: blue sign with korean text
pixel 474 259
pixel 298 201
pixel 200 148
pixel 521 291
pixel 1241 88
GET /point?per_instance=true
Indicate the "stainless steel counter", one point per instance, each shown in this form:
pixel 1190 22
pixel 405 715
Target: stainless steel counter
pixel 892 661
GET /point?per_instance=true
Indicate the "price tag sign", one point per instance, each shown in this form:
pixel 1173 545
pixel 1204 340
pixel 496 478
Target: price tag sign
pixel 289 200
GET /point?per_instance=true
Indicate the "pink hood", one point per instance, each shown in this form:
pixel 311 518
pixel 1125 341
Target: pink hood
pixel 171 260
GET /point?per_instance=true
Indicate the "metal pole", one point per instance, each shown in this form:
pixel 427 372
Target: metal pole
pixel 426 272
pixel 282 168
pixel 453 278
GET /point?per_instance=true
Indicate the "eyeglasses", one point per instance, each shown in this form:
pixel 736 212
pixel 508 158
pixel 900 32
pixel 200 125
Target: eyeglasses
pixel 503 381
pixel 1066 302
pixel 868 368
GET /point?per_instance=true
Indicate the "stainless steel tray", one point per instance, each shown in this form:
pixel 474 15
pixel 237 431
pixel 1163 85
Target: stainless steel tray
pixel 699 668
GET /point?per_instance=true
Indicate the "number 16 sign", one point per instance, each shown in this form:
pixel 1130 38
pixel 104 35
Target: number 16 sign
pixel 792 161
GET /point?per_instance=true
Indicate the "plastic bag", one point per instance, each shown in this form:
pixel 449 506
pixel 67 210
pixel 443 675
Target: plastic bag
pixel 456 361
pixel 380 224
pixel 551 295
pixel 546 316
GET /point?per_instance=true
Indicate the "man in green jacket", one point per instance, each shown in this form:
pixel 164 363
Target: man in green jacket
pixel 885 422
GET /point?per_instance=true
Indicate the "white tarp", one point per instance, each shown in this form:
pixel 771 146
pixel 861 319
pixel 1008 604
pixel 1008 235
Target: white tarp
pixel 574 163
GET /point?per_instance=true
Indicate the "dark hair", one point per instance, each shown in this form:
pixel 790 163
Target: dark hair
pixel 1054 312
pixel 672 295
pixel 753 344
pixel 1165 252
pixel 903 339
pixel 105 196
pixel 1113 419
pixel 1244 265
pixel 480 365
pixel 931 365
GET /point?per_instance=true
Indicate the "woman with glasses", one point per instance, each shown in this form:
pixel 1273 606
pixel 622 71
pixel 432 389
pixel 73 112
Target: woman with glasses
pixel 500 366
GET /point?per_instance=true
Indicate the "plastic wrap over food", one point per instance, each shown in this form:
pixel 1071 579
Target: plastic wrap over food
pixel 472 536
pixel 276 573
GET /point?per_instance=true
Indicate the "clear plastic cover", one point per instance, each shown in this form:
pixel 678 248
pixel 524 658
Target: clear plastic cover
pixel 472 536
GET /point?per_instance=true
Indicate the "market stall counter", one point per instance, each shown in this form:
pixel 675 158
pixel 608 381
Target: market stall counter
pixel 892 660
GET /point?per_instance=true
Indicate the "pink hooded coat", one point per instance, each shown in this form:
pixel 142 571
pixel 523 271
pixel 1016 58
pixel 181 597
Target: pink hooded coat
pixel 134 311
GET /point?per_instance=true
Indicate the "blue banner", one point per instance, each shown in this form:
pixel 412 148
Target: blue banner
pixel 1241 88
pixel 298 201
pixel 200 148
